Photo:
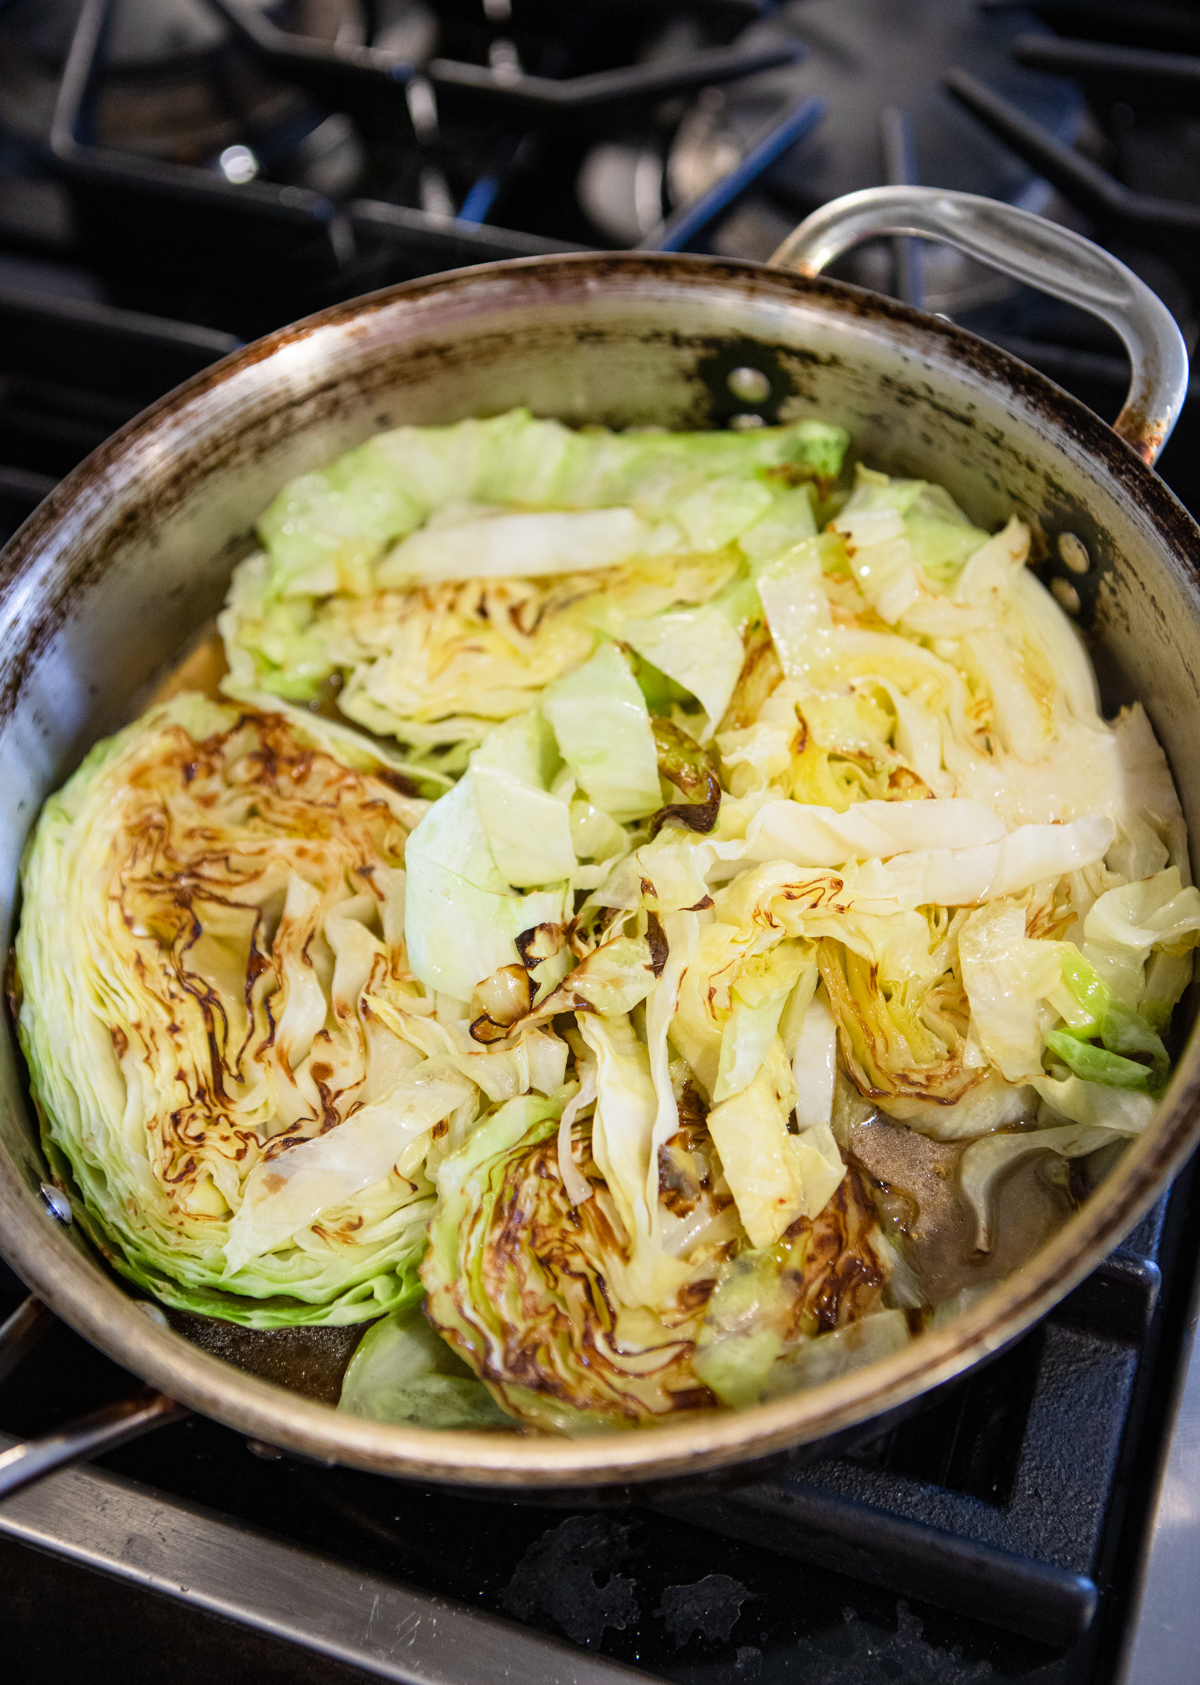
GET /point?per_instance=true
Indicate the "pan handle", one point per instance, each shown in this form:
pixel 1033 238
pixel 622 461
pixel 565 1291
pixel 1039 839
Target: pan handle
pixel 1036 252
pixel 21 1331
pixel 90 1436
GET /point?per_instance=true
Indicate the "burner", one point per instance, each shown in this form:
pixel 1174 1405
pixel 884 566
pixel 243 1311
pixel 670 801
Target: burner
pixel 175 86
pixel 863 57
pixel 179 86
pixel 288 207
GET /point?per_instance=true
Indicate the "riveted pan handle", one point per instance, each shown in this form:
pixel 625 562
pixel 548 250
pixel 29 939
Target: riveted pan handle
pixel 1036 252
pixel 89 1436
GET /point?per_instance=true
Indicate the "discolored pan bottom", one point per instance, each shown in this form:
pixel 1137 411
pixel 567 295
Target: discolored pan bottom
pixel 310 1361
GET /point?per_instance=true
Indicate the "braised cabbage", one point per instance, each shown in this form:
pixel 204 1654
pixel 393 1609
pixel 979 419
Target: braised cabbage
pixel 756 806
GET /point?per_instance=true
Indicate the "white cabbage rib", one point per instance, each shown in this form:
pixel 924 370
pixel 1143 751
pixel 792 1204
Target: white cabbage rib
pixel 286 1194
pixel 786 833
pixel 814 1065
pixel 961 877
pixel 530 545
pixel 810 835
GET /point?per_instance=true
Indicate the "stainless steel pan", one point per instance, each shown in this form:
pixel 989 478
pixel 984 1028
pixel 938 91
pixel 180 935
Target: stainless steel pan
pixel 134 550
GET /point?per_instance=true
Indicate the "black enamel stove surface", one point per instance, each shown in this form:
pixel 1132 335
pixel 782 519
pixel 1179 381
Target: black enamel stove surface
pixel 177 176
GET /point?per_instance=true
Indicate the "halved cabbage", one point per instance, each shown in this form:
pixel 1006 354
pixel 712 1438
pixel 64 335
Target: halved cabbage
pixel 210 940
pixel 519 1282
pixel 516 543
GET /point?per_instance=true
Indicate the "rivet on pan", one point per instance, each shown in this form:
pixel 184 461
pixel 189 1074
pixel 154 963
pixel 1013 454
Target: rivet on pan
pixel 1073 552
pixel 1067 595
pixel 746 423
pixel 268 1453
pixel 56 1203
pixel 751 385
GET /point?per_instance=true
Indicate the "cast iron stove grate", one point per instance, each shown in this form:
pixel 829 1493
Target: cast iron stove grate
pixel 267 158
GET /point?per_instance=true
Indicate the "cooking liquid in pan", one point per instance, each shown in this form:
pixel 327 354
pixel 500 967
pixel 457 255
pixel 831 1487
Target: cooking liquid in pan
pixel 913 1181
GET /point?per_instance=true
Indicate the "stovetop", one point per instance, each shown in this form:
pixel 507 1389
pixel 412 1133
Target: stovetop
pixel 994 1535
pixel 177 176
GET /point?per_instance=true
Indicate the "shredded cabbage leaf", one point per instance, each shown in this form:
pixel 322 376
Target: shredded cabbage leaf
pixel 602 726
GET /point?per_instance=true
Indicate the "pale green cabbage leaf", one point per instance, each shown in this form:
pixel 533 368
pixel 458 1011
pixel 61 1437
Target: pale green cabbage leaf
pixel 528 826
pixel 461 917
pixel 1007 975
pixel 495 546
pixel 602 726
pixel 404 1373
pixel 699 649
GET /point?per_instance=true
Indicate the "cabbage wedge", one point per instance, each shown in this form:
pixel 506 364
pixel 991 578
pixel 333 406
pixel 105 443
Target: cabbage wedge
pixel 239 1077
pixel 440 578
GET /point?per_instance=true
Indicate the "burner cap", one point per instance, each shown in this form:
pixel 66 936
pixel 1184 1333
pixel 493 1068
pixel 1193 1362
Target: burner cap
pixel 174 85
pixel 864 56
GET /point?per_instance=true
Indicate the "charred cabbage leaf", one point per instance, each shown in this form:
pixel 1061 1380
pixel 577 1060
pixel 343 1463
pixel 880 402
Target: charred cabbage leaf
pixel 518 1282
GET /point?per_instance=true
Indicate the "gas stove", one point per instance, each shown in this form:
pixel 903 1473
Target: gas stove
pixel 177 176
